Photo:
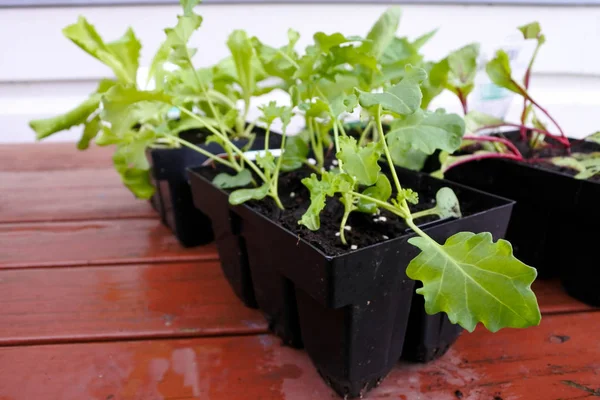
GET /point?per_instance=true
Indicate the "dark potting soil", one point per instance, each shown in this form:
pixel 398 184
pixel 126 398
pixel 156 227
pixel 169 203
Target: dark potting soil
pixel 362 229
pixel 536 157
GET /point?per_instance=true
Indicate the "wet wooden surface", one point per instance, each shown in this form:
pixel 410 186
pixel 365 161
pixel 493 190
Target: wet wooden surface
pixel 98 301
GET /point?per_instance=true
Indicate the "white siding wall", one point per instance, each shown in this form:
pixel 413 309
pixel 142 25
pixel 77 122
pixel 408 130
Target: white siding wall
pixel 42 73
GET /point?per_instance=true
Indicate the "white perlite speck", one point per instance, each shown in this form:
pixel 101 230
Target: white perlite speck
pixel 385 237
pixel 353 247
pixel 337 234
pixel 348 228
pixel 312 161
pixel 335 162
pixel 292 195
pixel 382 219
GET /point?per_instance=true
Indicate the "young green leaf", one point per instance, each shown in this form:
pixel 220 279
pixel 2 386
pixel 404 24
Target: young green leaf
pixel 437 78
pixel 399 53
pixel 131 163
pixel 447 203
pixel 126 106
pixel 360 162
pixel 266 161
pixel 403 98
pixel 243 195
pixel 325 42
pixel 427 131
pixel 381 191
pixel 409 195
pixel 178 37
pixel 328 185
pixel 343 103
pixel 127 50
pixel 586 164
pixel 568 162
pixel 77 116
pixel 531 30
pixel 423 39
pixel 319 190
pixel 280 62
pixel 384 30
pixel 475 120
pixel 500 72
pixel 188 6
pixel 242 52
pixel 226 181
pixel 84 35
pixel 409 158
pixel 295 153
pixel 591 162
pixel 90 131
pixel 473 279
pixel 462 68
pixel 594 137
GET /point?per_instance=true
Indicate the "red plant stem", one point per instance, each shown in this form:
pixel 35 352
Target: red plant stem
pixel 523 130
pixel 562 140
pixel 463 101
pixel 476 157
pixel 524 93
pixel 484 138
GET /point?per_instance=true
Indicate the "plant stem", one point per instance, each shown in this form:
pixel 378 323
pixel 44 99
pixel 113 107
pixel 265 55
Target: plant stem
pixel 342 130
pixel 484 138
pixel 203 152
pixel 543 132
pixel 399 212
pixel 319 155
pixel 226 140
pixel 463 101
pixel 424 213
pixel 314 168
pixel 347 211
pixel 337 143
pixel 526 95
pixel 249 128
pixel 419 232
pixel 365 132
pixel 523 129
pixel 275 181
pixel 475 157
pixel 388 156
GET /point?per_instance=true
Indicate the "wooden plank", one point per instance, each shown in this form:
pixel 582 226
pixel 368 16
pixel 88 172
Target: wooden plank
pixel 52 157
pixel 99 242
pixel 553 299
pixel 557 360
pixel 108 303
pixel 68 195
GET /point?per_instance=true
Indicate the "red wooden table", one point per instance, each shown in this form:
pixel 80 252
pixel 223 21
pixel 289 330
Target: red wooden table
pixel 98 301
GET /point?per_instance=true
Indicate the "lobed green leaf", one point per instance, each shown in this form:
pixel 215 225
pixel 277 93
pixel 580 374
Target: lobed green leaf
pixel 384 30
pixel 427 131
pixel 403 98
pixel 360 162
pixel 473 279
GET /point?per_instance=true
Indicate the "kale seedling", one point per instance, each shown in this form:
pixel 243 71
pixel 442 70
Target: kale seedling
pixel 469 277
pixel 530 127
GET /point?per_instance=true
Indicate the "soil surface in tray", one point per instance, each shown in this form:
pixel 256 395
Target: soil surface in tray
pixel 363 229
pixel 536 156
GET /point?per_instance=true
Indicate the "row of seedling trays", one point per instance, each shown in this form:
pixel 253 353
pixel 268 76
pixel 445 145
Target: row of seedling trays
pixel 363 242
